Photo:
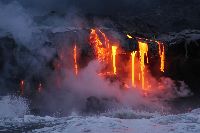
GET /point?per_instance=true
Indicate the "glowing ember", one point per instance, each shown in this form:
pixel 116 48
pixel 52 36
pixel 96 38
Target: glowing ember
pixel 143 48
pixel 22 83
pixel 114 50
pixel 162 57
pixel 75 61
pixel 130 37
pixel 133 67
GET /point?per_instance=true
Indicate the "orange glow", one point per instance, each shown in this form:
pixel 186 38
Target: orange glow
pixel 114 52
pixel 22 83
pixel 162 57
pixel 143 48
pixel 129 36
pixel 133 67
pixel 75 61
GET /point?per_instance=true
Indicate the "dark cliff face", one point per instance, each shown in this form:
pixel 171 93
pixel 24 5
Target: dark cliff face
pixel 185 68
pixel 183 57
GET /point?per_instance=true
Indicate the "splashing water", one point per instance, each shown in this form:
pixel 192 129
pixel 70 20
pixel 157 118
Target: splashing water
pixel 13 106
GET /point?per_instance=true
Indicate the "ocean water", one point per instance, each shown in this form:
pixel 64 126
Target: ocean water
pixel 15 117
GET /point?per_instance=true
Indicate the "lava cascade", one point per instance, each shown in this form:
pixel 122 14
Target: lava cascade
pixel 108 52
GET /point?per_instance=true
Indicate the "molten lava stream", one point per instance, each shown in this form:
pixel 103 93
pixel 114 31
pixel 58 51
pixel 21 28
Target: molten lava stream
pixel 133 67
pixel 75 61
pixel 99 49
pixel 114 52
pixel 143 49
pixel 162 57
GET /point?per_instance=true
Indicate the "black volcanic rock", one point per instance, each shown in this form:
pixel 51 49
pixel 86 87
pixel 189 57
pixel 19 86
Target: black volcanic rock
pixel 94 105
pixel 183 57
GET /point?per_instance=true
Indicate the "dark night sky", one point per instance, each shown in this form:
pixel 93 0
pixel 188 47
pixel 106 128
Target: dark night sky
pixel 104 7
pixel 166 15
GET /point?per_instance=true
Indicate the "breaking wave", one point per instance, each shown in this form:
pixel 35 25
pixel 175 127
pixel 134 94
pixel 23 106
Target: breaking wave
pixel 13 106
pixel 15 117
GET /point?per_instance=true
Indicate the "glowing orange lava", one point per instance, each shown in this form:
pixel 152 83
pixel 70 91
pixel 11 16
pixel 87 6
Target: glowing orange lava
pixel 75 61
pixel 114 52
pixel 143 49
pixel 162 57
pixel 133 67
pixel 99 48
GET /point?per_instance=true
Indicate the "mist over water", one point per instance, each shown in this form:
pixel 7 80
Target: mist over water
pixel 13 106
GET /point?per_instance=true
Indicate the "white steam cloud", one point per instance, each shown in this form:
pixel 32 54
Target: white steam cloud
pixel 16 21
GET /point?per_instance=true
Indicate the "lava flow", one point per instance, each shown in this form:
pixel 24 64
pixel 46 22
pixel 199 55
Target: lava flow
pixel 161 50
pixel 117 62
pixel 101 49
pixel 133 67
pixel 101 52
pixel 143 49
pixel 162 57
pixel 75 61
pixel 114 52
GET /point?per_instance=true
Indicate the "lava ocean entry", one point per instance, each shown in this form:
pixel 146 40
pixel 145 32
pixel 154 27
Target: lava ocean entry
pixel 95 64
pixel 108 52
pixel 100 66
